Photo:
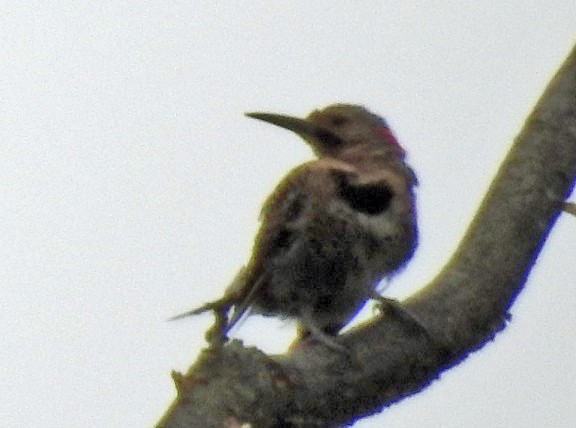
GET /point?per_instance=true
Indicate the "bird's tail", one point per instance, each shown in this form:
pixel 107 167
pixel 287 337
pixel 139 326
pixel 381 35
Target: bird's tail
pixel 217 305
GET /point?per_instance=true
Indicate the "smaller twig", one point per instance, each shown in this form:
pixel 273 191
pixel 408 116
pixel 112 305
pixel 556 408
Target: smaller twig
pixel 570 208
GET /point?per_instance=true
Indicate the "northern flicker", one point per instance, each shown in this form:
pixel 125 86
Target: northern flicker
pixel 331 230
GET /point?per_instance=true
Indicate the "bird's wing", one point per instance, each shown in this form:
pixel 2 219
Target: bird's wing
pixel 297 203
pixel 283 215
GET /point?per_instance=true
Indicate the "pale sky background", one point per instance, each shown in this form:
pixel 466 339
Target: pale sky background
pixel 130 185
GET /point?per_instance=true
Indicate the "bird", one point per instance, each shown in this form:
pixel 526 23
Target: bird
pixel 332 229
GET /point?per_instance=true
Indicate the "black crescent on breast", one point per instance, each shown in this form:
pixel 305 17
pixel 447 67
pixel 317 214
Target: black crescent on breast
pixel 371 199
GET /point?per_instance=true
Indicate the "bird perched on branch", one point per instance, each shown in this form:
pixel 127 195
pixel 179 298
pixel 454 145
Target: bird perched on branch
pixel 331 230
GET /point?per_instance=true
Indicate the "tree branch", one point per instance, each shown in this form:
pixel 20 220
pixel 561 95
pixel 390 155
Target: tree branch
pixel 462 309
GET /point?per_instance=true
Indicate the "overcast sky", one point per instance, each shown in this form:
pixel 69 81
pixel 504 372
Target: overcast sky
pixel 131 184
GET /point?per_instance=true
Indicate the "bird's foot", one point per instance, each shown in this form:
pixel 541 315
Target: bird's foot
pixel 309 331
pixel 393 307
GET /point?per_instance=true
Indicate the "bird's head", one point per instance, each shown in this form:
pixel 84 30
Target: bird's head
pixel 339 128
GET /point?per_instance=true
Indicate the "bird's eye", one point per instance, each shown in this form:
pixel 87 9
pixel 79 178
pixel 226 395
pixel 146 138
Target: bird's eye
pixel 338 120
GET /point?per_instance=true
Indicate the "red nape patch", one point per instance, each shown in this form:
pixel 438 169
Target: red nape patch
pixel 388 136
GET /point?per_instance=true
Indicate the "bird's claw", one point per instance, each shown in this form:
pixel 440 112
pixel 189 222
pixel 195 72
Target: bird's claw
pixel 393 307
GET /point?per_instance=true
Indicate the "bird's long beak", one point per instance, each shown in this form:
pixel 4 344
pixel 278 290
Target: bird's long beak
pixel 317 136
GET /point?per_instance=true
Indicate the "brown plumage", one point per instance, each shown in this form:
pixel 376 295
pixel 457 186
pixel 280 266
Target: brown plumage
pixel 331 230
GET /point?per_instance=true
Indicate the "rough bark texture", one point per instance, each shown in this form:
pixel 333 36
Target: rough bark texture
pixel 462 309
